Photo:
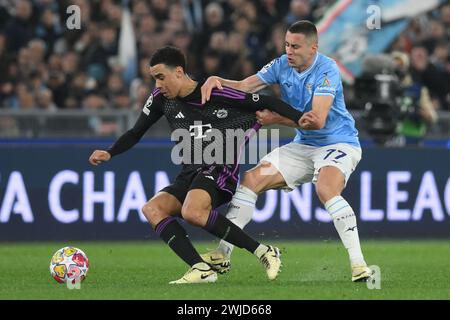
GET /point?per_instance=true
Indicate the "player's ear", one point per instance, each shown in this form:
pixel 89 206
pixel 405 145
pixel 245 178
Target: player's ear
pixel 314 44
pixel 179 71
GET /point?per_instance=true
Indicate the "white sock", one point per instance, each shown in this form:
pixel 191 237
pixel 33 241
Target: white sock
pixel 345 223
pixel 240 212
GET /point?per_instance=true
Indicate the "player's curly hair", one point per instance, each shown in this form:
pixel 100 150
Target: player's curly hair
pixel 170 56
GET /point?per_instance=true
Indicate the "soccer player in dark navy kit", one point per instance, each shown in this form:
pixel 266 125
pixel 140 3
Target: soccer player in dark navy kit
pixel 202 187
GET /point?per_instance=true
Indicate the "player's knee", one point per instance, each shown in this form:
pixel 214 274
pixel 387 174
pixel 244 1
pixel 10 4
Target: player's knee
pixel 153 213
pixel 261 178
pixel 193 214
pixel 252 180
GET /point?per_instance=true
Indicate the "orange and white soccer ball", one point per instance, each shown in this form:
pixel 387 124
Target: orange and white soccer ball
pixel 69 264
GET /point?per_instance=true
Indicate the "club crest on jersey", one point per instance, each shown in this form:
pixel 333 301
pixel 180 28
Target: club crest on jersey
pixel 221 113
pixel 309 87
pixel 147 105
pixel 255 97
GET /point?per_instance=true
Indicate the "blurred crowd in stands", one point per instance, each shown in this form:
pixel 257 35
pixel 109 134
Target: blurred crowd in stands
pixel 44 65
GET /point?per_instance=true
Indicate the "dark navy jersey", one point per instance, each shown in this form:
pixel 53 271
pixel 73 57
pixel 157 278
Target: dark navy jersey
pixel 208 127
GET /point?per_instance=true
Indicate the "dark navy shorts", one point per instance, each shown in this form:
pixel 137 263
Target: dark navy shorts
pixel 218 180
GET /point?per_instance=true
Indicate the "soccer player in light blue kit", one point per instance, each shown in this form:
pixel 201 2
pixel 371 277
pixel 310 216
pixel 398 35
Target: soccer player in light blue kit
pixel 325 150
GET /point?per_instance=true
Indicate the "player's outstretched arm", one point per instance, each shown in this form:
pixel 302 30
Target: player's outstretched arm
pixel 127 140
pixel 145 120
pixel 250 84
pixel 99 156
pixel 255 102
pixel 312 120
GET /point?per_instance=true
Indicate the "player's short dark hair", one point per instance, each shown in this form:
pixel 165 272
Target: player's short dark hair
pixel 304 27
pixel 170 56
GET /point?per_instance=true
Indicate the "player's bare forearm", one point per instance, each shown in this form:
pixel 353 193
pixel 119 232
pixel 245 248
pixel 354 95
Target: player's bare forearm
pixel 238 85
pixel 250 84
pixel 317 117
pixel 288 122
pixel 267 117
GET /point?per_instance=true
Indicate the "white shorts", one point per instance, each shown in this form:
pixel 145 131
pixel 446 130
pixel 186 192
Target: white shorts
pixel 300 163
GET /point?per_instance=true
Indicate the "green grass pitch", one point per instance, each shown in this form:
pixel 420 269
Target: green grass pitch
pixel 311 270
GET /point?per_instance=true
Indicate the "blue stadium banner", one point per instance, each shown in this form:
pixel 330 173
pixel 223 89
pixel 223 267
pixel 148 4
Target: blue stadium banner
pixel 352 30
pixel 127 45
pixel 51 192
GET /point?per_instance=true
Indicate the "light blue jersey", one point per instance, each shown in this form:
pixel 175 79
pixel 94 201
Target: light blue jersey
pixel 322 78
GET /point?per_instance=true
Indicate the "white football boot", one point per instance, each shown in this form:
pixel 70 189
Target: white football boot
pixel 217 260
pixel 198 273
pixel 271 261
pixel 361 273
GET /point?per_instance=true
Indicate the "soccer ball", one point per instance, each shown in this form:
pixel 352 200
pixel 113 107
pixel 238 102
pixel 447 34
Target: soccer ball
pixel 69 264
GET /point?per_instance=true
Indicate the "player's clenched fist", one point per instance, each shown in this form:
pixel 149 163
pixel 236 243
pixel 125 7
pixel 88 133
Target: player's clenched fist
pixel 99 156
pixel 310 121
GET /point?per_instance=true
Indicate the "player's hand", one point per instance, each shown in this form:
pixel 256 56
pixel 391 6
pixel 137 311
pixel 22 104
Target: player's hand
pixel 99 156
pixel 206 89
pixel 309 121
pixel 267 117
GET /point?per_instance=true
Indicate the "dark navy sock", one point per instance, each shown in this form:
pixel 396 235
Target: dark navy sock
pixel 223 228
pixel 176 237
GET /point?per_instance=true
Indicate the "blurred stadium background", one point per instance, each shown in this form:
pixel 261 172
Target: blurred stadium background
pixel 72 79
